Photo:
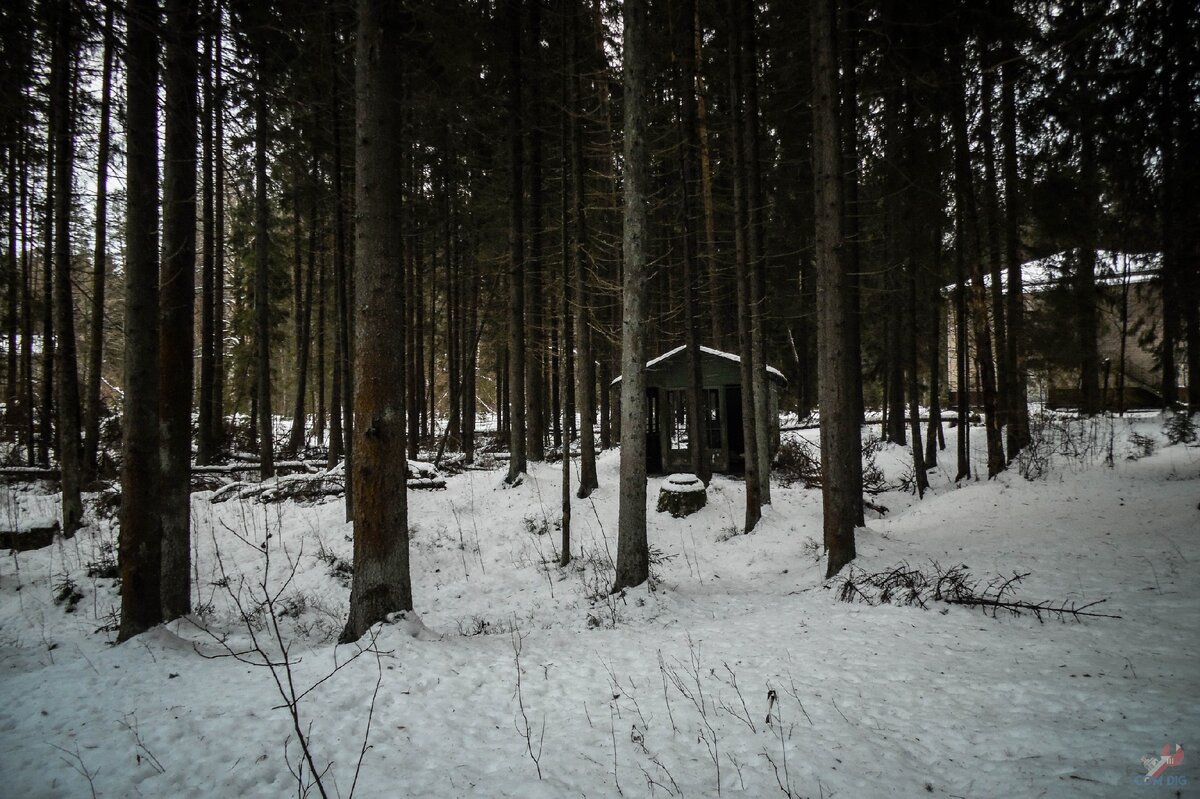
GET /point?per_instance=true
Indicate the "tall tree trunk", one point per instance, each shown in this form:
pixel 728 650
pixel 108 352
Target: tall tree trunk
pixel 910 345
pixel 204 433
pixel 262 267
pixel 218 355
pixel 697 410
pixel 535 376
pixel 13 290
pixel 565 362
pixel 756 250
pixel 713 280
pixel 411 363
pixel 895 243
pixel 1087 296
pixel 176 322
pixel 470 394
pixel 743 276
pixel 454 304
pixel 26 307
pixel 336 438
pixel 381 573
pixel 91 406
pixel 936 355
pixel 633 554
pixel 304 328
pixel 319 422
pixel 419 332
pixel 564 557
pixel 968 246
pixel 1018 424
pixel 343 364
pixel 516 247
pixel 1180 243
pixel 840 432
pixel 66 370
pixel 46 411
pixel 995 257
pixel 850 40
pixel 297 430
pixel 582 272
pixel 140 541
pixel 1124 317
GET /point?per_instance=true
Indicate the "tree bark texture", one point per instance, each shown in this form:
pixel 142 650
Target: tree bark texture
pixel 70 452
pixel 633 555
pixel 140 543
pixel 91 405
pixel 176 311
pixel 840 434
pixel 516 244
pixel 381 571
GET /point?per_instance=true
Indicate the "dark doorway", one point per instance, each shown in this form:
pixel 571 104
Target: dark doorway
pixel 733 416
pixel 654 461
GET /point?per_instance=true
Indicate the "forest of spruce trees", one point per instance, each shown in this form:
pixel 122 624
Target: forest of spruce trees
pixel 271 232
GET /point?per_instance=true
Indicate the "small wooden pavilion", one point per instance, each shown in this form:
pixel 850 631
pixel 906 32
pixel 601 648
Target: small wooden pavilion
pixel 666 407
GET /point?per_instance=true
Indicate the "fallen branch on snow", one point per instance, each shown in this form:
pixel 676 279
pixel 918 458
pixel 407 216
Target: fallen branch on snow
pixel 906 585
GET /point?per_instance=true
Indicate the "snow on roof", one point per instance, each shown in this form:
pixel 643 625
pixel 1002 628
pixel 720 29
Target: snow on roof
pixel 729 356
pixel 1043 273
pixel 1110 267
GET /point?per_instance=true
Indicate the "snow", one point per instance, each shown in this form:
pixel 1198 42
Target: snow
pixel 683 484
pixel 729 356
pixel 644 690
pixel 1042 273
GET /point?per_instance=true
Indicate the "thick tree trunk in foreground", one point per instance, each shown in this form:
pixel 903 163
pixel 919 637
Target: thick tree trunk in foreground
pixel 140 542
pixel 381 577
pixel 176 305
pixel 840 434
pixel 633 555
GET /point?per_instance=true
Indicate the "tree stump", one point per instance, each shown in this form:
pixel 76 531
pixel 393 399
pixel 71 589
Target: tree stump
pixel 682 495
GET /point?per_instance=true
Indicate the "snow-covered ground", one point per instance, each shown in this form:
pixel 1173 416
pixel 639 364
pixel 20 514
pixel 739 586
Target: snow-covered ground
pixel 738 674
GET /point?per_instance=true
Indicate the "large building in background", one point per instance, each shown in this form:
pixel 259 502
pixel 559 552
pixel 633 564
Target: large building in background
pixel 1129 316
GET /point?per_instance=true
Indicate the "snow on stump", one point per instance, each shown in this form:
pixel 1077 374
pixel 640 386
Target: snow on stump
pixel 682 495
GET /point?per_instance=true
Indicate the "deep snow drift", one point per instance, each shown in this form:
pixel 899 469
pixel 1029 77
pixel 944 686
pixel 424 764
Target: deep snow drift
pixel 738 674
